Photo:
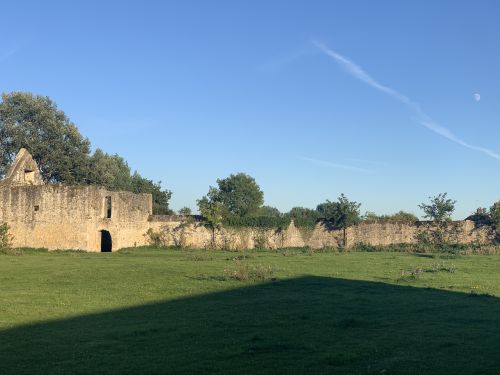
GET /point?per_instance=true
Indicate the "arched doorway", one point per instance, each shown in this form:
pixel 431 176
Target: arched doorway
pixel 106 242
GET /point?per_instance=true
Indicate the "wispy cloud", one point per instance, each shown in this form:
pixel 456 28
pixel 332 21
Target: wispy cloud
pixel 336 165
pixel 6 55
pixel 277 63
pixel 423 119
pixel 365 161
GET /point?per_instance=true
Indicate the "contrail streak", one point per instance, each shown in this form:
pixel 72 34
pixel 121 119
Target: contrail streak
pixel 424 119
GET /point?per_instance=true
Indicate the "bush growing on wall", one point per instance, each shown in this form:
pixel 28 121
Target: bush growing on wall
pixel 157 239
pixel 5 237
pixel 398 217
pixel 303 217
pixel 264 222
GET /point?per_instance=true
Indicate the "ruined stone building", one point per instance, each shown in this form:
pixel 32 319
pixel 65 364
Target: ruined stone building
pixel 94 219
pixel 69 217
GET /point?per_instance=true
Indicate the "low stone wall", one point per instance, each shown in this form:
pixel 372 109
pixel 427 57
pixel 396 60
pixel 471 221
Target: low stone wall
pixel 194 234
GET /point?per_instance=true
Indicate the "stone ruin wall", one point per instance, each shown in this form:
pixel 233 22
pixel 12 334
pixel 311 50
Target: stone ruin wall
pixel 195 235
pixel 71 217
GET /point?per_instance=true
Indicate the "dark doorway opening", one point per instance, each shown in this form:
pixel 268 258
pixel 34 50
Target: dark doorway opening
pixel 106 242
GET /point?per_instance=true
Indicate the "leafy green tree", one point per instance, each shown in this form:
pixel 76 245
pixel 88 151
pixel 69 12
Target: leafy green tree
pixel 109 171
pixel 439 209
pixel 340 214
pixel 61 152
pixel 403 217
pixel 495 212
pixel 35 123
pixel 371 216
pixel 398 217
pixel 212 210
pixel 240 195
pixel 495 218
pixel 139 184
pixel 303 217
pixel 269 211
pixel 185 211
pixel 5 237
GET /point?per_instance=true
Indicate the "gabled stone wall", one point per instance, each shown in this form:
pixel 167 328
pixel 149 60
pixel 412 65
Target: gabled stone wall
pixel 72 217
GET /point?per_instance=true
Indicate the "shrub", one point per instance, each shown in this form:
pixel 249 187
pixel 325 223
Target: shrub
pixel 199 257
pixel 5 237
pixel 398 217
pixel 157 239
pixel 260 240
pixel 303 217
pixel 415 273
pixel 245 272
pixel 264 222
pixel 6 242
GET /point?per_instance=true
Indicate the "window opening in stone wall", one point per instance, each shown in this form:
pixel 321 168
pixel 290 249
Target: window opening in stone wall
pixel 106 242
pixel 108 207
pixel 37 208
pixel 29 175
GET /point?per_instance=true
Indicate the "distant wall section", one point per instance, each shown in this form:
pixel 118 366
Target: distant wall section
pixel 195 235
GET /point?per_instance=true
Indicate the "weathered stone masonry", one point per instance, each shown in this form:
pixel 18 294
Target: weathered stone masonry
pixel 94 219
pixel 69 217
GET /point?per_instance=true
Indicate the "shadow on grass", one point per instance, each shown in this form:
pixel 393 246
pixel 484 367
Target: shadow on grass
pixel 308 325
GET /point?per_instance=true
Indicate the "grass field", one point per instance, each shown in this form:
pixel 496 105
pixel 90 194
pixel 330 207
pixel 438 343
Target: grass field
pixel 181 312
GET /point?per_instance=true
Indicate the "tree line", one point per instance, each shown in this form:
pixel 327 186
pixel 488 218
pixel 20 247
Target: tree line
pixel 63 155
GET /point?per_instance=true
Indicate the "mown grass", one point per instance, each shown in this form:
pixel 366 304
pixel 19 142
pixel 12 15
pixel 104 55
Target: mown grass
pixel 293 311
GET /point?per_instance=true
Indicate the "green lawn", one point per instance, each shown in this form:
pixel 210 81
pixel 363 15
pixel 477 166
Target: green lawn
pixel 177 312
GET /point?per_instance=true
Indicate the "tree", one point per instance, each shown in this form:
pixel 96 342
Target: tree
pixel 5 237
pixel 35 123
pixel 340 214
pixel 269 211
pixel 495 217
pixel 61 152
pixel 186 211
pixel 495 212
pixel 439 209
pixel 139 184
pixel 403 217
pixel 304 217
pixel 212 210
pixel 240 195
pixel 371 216
pixel 109 171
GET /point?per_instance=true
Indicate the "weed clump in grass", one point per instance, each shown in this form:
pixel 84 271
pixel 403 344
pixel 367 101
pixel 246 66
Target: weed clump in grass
pixel 416 272
pixel 240 257
pixel 199 257
pixel 246 272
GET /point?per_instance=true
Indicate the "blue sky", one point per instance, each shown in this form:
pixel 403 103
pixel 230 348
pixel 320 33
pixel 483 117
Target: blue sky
pixel 311 98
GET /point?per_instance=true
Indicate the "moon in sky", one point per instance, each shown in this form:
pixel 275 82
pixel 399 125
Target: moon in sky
pixel 477 97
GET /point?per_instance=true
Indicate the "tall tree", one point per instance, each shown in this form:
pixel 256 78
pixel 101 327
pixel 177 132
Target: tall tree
pixel 495 212
pixel 61 152
pixel 110 171
pixel 35 123
pixel 139 184
pixel 304 217
pixel 240 194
